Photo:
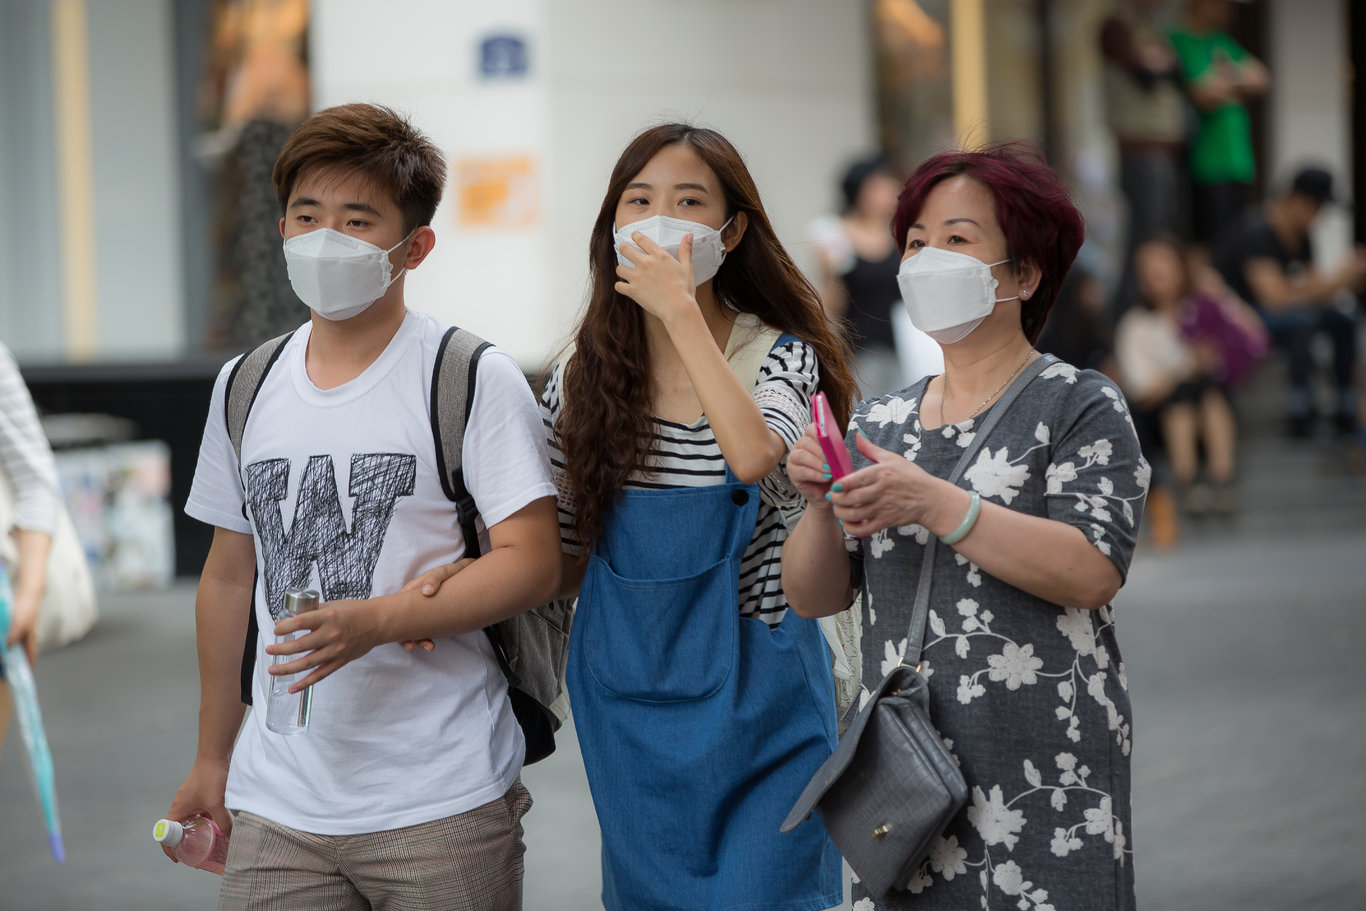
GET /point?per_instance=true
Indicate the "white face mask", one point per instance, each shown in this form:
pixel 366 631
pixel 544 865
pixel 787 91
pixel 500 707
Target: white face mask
pixel 708 250
pixel 337 275
pixel 948 294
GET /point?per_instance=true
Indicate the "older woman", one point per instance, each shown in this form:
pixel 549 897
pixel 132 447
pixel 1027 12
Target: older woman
pixel 1026 680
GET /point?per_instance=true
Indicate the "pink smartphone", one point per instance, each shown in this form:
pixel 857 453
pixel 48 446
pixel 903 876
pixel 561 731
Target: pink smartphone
pixel 832 439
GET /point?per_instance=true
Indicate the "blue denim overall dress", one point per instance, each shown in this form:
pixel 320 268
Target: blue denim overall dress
pixel 699 727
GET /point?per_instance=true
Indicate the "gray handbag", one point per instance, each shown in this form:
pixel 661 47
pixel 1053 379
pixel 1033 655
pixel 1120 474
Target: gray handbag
pixel 891 786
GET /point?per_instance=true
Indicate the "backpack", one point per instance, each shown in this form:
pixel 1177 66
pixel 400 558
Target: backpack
pixel 532 648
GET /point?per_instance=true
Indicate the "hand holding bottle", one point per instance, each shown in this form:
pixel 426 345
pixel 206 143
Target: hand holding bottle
pixel 196 842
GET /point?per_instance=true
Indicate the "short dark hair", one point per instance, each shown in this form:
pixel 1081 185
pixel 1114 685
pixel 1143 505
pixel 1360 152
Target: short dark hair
pixel 858 174
pixel 1315 184
pixel 372 141
pixel 1033 206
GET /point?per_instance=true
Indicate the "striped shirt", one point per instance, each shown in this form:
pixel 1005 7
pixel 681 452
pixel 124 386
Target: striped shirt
pixel 25 457
pixel 687 455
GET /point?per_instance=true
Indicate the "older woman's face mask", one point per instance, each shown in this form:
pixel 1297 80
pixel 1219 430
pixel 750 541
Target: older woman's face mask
pixel 948 294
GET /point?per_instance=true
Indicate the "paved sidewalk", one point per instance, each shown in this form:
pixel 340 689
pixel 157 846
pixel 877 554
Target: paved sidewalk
pixel 1242 651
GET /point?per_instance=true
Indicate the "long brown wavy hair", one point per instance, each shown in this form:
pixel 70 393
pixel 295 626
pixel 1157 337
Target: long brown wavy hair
pixel 605 424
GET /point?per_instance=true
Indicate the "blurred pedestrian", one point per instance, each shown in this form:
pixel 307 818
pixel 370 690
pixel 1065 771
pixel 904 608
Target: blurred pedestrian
pixel 1267 258
pixel 1147 115
pixel 857 261
pixel 1078 330
pixel 34 495
pixel 1220 77
pixel 1174 383
pixel 1023 670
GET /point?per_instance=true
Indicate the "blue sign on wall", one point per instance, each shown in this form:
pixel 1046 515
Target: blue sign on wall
pixel 502 57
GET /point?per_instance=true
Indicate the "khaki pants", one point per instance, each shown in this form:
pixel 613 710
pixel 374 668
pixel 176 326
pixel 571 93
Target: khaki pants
pixel 472 861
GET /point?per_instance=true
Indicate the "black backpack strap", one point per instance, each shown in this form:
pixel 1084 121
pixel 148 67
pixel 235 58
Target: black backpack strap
pixel 239 394
pixel 452 400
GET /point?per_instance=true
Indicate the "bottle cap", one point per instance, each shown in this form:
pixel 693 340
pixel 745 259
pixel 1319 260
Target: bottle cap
pixel 299 600
pixel 168 832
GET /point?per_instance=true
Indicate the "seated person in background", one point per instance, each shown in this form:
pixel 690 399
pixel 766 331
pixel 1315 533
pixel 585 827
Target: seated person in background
pixel 1172 383
pixel 1267 259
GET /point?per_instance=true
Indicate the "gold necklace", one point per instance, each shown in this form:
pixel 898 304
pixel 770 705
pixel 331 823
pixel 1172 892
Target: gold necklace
pixel 1014 373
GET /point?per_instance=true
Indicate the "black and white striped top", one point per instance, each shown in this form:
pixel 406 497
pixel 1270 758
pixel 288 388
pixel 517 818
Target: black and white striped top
pixel 687 455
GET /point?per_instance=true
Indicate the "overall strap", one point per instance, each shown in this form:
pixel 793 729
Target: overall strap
pixel 915 637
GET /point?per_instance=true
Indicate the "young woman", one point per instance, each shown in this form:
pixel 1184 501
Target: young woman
pixel 702 704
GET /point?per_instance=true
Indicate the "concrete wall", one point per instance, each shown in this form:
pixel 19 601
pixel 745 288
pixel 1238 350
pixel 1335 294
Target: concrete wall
pixel 139 285
pixel 126 153
pixel 30 267
pixel 785 80
pixel 1310 106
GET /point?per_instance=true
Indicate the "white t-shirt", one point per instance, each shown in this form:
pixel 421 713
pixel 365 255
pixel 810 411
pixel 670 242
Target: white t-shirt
pixel 396 739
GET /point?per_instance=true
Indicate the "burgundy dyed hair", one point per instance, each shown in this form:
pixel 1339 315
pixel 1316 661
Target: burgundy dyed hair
pixel 1033 207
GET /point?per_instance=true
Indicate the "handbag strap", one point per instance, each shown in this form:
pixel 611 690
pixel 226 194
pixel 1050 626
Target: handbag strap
pixel 920 615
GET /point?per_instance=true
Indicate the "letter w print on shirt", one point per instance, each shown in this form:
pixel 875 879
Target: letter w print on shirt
pixel 318 534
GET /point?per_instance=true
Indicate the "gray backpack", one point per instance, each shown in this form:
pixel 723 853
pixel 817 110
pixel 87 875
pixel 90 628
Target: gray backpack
pixel 533 647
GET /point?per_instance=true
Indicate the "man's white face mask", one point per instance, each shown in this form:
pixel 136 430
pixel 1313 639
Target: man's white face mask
pixel 337 275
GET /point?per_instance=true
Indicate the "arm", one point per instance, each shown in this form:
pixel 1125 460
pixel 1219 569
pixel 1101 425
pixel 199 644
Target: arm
pixel 521 570
pixel 1233 75
pixel 33 474
pixel 816 576
pixel 1275 292
pixel 1044 557
pixel 29 580
pixel 663 287
pixel 222 606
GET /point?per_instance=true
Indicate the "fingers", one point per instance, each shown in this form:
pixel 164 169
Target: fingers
pixel 430 582
pixel 872 452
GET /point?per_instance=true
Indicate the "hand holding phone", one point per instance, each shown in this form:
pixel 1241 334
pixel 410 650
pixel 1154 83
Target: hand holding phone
pixel 831 438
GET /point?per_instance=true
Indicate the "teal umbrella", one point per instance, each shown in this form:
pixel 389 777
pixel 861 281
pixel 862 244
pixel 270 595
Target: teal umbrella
pixel 30 717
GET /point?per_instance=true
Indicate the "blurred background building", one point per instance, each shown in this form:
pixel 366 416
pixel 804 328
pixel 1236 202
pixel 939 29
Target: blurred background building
pixel 140 247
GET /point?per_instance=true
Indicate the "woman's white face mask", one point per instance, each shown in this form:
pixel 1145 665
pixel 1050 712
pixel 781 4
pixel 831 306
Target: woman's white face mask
pixel 708 250
pixel 948 294
pixel 338 275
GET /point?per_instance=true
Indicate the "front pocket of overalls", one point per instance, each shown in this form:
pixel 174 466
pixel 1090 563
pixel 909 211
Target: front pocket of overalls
pixel 661 640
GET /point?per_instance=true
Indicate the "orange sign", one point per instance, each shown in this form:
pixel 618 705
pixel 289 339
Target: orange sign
pixel 498 192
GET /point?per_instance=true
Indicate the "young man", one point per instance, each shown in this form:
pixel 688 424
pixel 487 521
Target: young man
pixel 403 792
pixel 1267 259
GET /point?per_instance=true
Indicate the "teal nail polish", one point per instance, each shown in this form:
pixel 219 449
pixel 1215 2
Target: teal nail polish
pixel 861 433
pixel 826 476
pixel 836 487
pixel 827 498
pixel 825 465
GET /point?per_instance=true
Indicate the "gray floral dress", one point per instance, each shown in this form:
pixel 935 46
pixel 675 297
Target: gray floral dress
pixel 1029 696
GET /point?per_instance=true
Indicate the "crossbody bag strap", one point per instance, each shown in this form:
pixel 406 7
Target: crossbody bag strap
pixel 920 614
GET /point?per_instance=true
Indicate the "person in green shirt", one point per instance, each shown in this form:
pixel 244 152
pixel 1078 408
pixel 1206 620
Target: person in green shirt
pixel 1220 75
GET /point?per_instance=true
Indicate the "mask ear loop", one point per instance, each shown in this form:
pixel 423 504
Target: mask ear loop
pixel 1001 300
pixel 399 274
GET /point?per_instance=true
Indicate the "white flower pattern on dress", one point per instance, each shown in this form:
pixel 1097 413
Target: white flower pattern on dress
pixel 1097 484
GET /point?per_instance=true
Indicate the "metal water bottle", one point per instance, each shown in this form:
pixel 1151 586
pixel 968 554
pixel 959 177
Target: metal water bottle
pixel 288 713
